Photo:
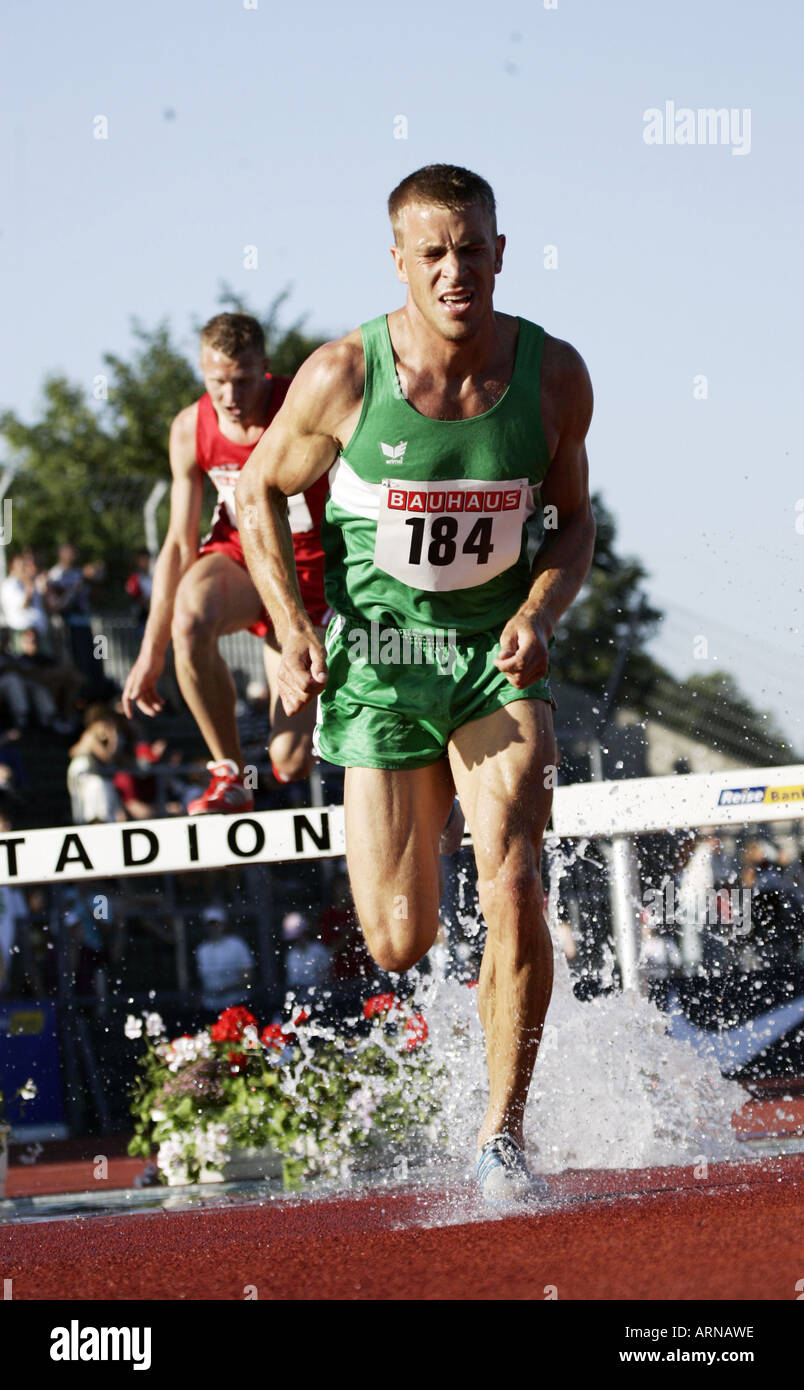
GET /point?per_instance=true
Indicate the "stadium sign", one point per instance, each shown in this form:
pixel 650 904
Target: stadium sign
pixel 174 845
pixel 169 845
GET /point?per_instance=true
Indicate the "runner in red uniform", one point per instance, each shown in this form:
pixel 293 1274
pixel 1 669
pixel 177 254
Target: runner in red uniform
pixel 201 593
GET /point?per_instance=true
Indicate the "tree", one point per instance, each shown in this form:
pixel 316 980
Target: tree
pixel 286 348
pixel 611 618
pixel 86 465
pixel 609 610
pixel 711 707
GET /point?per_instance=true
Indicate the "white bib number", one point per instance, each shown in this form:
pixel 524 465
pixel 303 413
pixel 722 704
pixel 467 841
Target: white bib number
pixel 299 514
pixel 225 482
pixel 450 535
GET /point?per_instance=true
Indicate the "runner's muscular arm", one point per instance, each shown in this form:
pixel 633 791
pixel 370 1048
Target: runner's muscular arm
pixel 301 444
pixel 563 559
pixel 178 552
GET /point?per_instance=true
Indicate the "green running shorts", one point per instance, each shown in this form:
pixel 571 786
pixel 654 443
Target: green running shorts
pixel 393 699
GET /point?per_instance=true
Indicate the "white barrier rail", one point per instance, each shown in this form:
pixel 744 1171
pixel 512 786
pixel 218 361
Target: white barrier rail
pixel 638 805
pixel 613 810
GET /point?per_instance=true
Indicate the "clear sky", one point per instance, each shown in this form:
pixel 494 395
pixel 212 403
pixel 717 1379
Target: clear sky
pixel 275 127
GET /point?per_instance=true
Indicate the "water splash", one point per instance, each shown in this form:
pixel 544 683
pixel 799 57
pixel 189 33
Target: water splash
pixel 611 1087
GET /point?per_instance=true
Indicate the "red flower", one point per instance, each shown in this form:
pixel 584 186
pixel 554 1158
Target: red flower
pixel 416 1030
pixel 237 1061
pixel 301 1017
pixel 273 1035
pixel 378 1004
pixel 232 1024
pixel 471 984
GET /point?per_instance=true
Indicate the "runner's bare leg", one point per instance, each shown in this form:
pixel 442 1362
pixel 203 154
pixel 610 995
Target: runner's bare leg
pixel 393 825
pixel 215 596
pixel 499 765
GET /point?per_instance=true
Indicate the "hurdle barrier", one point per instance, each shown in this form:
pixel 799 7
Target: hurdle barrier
pixel 614 812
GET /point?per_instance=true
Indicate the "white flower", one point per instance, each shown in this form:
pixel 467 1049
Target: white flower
pixel 251 1038
pixel 184 1050
pixel 28 1091
pixel 157 1114
pixel 154 1026
pixel 133 1027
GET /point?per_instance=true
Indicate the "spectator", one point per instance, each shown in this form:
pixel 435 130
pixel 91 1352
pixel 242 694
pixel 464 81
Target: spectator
pixel 23 599
pixel 13 781
pixel 706 870
pixel 13 908
pixel 135 779
pixel 791 864
pixel 254 720
pixel 69 596
pixel 90 774
pixel 24 687
pixel 139 585
pixel 135 783
pixel 62 682
pixel 138 793
pixel 87 945
pixel 307 960
pixel 777 906
pixel 225 963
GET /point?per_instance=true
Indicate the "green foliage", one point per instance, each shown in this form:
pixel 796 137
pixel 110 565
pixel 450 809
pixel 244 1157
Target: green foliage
pixel 610 616
pixel 287 347
pixel 86 466
pixel 315 1096
pixel 724 717
pixel 590 635
pixel 144 396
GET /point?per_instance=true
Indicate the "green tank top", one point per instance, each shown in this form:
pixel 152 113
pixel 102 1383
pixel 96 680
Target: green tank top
pixel 425 527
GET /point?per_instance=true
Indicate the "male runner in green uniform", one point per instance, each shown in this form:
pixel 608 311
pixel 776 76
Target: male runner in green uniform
pixel 442 426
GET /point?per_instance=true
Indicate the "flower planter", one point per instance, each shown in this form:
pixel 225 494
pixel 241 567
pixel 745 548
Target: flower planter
pixel 317 1090
pixel 241 1165
pixel 256 1164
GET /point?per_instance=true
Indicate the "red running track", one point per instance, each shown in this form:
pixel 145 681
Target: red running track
pixel 645 1234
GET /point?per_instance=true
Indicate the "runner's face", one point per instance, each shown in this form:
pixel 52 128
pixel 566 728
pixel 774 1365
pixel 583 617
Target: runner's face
pixel 235 384
pixel 449 261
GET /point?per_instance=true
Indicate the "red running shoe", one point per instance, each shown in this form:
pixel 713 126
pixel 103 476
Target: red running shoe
pixel 225 792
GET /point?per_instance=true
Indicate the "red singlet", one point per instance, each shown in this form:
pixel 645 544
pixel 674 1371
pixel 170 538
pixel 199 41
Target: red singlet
pixel 222 460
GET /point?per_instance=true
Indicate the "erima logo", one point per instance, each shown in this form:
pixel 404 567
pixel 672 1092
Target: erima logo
pixel 76 1343
pixel 396 454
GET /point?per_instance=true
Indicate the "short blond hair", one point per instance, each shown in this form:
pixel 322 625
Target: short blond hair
pixel 444 185
pixel 234 334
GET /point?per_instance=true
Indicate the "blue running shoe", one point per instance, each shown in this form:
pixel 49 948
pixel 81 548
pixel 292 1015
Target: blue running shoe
pixel 503 1174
